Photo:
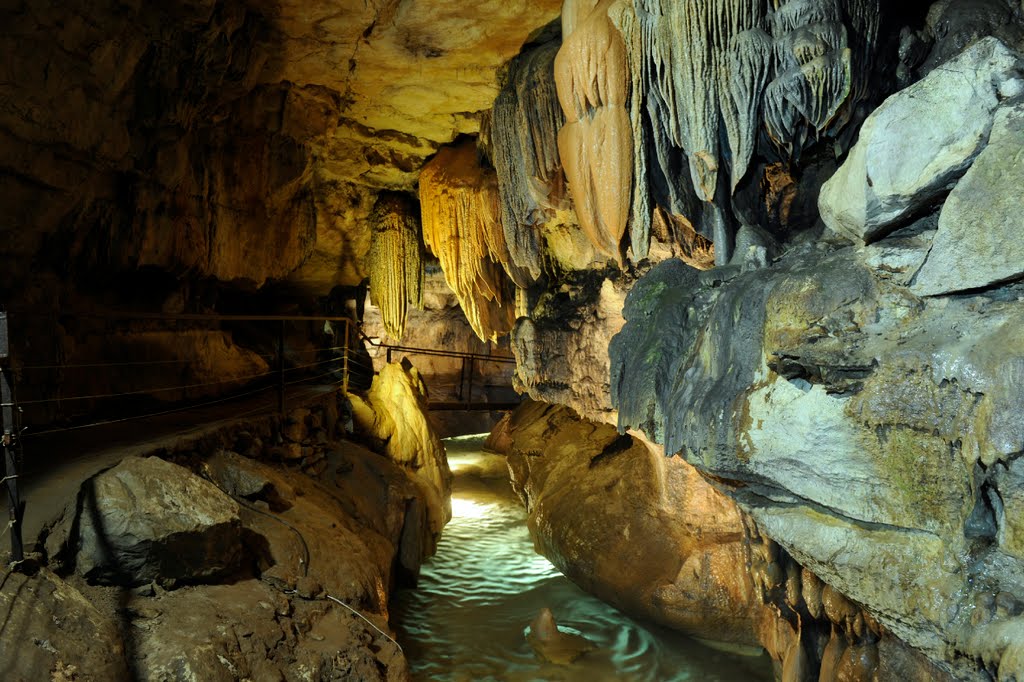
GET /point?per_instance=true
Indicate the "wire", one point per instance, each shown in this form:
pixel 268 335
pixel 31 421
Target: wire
pixel 106 364
pixel 183 408
pixel 145 391
pixel 368 621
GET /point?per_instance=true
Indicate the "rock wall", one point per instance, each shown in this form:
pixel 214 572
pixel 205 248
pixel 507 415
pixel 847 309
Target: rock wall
pixel 854 408
pixel 239 141
pixel 653 537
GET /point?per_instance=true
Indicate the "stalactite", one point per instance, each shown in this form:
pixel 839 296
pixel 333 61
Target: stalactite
pixel 596 143
pixel 395 260
pixel 524 145
pixel 461 226
pixel 749 65
pixel 624 18
pixel 799 68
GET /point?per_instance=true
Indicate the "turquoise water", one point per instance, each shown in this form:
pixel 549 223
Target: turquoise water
pixel 466 619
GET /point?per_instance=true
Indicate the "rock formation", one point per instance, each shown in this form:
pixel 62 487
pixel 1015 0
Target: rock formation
pixel 462 227
pixel 596 142
pixel 552 644
pixel 864 429
pixel 653 537
pixel 723 71
pixel 396 261
pixel 395 415
pixel 222 565
pixel 838 397
pixel 524 140
pixel 895 170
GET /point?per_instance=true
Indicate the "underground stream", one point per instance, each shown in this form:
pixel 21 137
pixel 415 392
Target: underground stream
pixel 467 619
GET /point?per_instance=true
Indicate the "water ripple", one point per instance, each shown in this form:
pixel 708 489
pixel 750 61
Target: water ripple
pixel 466 620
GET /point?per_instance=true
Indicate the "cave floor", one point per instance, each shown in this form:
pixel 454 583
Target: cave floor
pixel 56 464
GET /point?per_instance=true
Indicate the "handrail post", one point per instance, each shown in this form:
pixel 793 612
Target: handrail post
pixel 344 370
pixel 280 368
pixel 389 355
pixel 8 440
pixel 469 393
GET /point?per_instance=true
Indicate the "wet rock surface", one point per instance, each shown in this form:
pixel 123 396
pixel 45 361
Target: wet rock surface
pixel 646 534
pixel 658 540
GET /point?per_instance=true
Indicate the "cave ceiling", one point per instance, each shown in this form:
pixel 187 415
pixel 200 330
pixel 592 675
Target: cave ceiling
pixel 242 141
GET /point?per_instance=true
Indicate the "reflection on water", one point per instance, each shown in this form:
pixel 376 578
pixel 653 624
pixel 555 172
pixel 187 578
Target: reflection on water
pixel 466 619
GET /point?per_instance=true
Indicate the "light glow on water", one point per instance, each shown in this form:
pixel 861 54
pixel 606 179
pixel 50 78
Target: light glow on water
pixel 465 507
pixel 466 619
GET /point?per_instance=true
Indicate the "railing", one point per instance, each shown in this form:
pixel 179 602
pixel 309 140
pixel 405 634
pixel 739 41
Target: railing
pixel 46 377
pixel 463 394
pixel 321 363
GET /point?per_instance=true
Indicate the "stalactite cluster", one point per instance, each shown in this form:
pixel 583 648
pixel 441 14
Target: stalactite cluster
pixel 395 260
pixel 461 226
pixel 799 67
pixel 592 75
pixel 524 146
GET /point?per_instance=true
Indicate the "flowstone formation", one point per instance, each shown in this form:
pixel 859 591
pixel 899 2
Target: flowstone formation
pixel 860 414
pixel 596 142
pixel 652 88
pixel 462 227
pixel 523 137
pixel 396 260
pixel 394 416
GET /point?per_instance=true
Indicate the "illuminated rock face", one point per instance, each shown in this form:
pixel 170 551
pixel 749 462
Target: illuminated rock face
pixel 394 413
pixel 396 260
pixel 650 535
pixel 596 143
pixel 462 227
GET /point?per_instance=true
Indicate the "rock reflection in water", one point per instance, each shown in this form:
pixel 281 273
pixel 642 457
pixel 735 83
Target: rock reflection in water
pixel 467 619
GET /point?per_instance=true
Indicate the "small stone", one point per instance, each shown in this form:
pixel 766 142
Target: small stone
pixel 308 587
pixel 552 644
pixel 287 452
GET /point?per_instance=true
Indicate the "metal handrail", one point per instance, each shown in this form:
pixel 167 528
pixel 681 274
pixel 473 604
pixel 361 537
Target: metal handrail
pixel 416 350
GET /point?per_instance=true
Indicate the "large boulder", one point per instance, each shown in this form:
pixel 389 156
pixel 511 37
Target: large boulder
pixel 980 227
pixel 646 534
pixel 916 145
pixel 147 519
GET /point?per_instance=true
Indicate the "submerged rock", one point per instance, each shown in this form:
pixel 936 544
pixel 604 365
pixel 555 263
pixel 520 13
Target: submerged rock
pixel 553 644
